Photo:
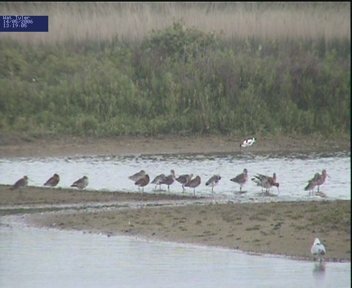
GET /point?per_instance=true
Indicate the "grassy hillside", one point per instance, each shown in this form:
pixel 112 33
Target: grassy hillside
pixel 178 68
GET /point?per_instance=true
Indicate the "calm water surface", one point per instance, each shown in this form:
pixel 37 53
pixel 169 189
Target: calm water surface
pixel 111 173
pixel 32 257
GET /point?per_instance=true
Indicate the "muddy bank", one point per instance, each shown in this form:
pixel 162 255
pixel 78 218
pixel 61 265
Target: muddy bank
pixel 286 228
pixel 125 145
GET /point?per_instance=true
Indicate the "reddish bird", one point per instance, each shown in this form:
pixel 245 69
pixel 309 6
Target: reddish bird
pixel 193 183
pixel 143 181
pixel 321 178
pixel 20 183
pixel 266 181
pixel 53 181
pixel 241 179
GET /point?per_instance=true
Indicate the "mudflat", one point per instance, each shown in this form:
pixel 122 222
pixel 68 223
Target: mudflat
pixel 286 228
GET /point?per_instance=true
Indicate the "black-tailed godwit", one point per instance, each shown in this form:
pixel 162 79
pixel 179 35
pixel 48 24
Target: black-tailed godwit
pixel 213 181
pixel 142 181
pixel 184 179
pixel 169 180
pixel 193 183
pixel 137 176
pixel 266 182
pixel 241 179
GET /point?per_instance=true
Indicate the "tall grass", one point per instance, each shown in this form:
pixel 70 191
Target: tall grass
pixel 231 68
pixel 133 21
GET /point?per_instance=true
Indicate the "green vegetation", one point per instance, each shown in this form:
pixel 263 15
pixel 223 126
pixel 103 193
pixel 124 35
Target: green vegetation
pixel 177 80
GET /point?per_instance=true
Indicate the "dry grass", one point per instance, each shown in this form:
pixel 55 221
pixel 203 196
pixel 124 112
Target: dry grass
pixel 133 21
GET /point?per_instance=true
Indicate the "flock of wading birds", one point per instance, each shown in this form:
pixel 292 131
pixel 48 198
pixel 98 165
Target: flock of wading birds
pixel 141 179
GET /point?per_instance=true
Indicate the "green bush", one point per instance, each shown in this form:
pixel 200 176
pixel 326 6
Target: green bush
pixel 178 80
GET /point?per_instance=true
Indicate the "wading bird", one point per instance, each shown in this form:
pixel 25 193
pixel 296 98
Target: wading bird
pixel 53 181
pixel 20 183
pixel 137 176
pixel 318 250
pixel 193 183
pixel 143 181
pixel 241 179
pixel 213 181
pixel 158 180
pixel 312 183
pixel 81 183
pixel 266 182
pixel 247 142
pixel 184 179
pixel 169 180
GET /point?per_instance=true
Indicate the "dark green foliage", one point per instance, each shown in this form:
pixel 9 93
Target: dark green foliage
pixel 178 80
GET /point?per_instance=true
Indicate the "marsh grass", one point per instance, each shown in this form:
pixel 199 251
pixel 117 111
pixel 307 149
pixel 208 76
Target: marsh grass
pixel 108 69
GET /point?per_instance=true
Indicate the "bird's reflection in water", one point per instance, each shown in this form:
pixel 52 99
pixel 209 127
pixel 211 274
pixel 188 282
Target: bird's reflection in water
pixel 319 271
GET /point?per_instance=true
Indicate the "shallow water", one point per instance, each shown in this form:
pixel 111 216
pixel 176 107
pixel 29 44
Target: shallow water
pixel 33 257
pixel 111 173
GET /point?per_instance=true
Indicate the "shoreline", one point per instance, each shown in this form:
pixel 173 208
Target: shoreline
pixel 275 228
pixel 130 145
pixel 249 227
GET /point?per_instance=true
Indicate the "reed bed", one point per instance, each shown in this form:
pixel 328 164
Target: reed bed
pixel 134 21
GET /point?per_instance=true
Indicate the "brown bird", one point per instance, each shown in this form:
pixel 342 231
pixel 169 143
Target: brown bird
pixel 184 179
pixel 241 178
pixel 20 183
pixel 312 183
pixel 321 178
pixel 214 180
pixel 193 183
pixel 266 181
pixel 168 180
pixel 137 176
pixel 141 182
pixel 157 180
pixel 81 183
pixel 53 181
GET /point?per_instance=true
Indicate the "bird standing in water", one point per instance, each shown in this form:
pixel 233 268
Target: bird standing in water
pixel 266 182
pixel 184 179
pixel 241 179
pixel 212 181
pixel 193 183
pixel 318 250
pixel 168 180
pixel 143 181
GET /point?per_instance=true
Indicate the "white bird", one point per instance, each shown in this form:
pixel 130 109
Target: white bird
pixel 318 250
pixel 247 142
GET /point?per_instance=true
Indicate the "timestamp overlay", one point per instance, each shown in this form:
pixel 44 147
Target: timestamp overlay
pixel 16 23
